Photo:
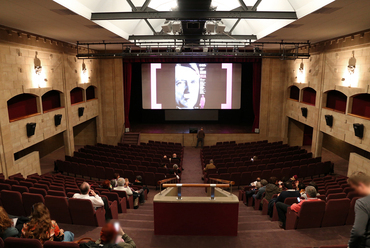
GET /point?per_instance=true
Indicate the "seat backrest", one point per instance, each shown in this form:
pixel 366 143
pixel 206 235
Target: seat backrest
pixel 311 214
pixel 336 212
pixel 19 188
pixel 5 186
pixel 24 243
pixel 333 191
pixel 336 196
pixel 290 200
pixel 57 193
pixel 29 199
pixel 82 212
pixel 12 202
pixel 55 244
pixel 59 208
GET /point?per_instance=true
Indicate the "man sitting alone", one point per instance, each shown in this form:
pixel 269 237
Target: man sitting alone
pixel 210 166
pixel 282 208
pixel 123 185
pixel 95 199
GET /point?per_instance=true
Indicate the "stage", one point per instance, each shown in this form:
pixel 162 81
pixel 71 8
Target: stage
pixel 183 128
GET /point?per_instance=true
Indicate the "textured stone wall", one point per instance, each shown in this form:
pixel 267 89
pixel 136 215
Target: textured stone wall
pixel 358 163
pixel 327 69
pixel 26 165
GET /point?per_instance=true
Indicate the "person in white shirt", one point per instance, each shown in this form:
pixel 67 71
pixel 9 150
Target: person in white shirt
pixel 123 185
pixel 95 199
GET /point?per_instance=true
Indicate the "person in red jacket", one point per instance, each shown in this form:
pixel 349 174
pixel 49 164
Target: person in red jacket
pixel 282 208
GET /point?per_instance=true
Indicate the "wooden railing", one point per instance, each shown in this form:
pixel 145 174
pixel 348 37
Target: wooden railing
pixel 221 184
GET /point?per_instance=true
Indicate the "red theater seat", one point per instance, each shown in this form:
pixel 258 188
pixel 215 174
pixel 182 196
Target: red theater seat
pixel 336 212
pixel 83 213
pixel 29 199
pixel 309 216
pixel 22 243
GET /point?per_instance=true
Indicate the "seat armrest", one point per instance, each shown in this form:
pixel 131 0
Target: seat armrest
pixel 130 202
pixel 265 206
pixel 113 206
pixel 291 219
pixel 123 204
pixel 100 216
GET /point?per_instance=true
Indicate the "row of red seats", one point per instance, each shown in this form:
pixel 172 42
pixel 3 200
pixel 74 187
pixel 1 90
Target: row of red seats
pixel 35 243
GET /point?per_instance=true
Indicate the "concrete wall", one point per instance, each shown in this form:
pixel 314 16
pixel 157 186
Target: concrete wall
pixel 327 70
pixel 358 163
pixel 85 133
pixel 26 165
pixel 296 133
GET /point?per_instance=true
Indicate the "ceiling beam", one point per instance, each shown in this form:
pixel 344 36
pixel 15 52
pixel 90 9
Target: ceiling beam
pixel 254 8
pixel 194 15
pixel 198 37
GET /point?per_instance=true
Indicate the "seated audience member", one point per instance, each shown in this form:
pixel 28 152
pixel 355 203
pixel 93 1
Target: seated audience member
pixel 139 182
pixel 289 192
pixel 313 184
pixel 261 190
pixel 272 188
pixel 41 227
pixel 110 237
pixel 210 166
pixel 360 237
pixel 252 192
pixel 254 158
pixel 175 171
pixel 115 179
pixel 174 156
pixel 7 228
pixel 123 185
pixel 282 208
pixel 96 200
pixel 106 185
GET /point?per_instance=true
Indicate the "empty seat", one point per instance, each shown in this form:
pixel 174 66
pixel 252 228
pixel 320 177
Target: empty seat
pixel 336 212
pixel 12 202
pixel 57 193
pixel 19 188
pixel 56 244
pixel 336 196
pixel 122 202
pixel 29 199
pixel 83 213
pixel 38 191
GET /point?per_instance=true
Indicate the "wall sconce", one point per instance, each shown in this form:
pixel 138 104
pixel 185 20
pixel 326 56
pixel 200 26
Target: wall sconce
pixel 84 73
pixel 350 77
pixel 300 73
pixel 39 80
pixel 37 65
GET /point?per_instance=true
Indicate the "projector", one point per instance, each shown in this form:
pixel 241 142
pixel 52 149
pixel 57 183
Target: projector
pixel 166 28
pixel 220 28
pixel 176 27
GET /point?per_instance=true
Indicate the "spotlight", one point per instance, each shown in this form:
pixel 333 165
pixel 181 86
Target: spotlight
pixel 257 50
pixel 176 27
pixel 166 28
pixel 210 27
pixel 148 50
pixel 178 49
pixel 128 50
pixel 205 49
pixel 236 49
pixel 220 28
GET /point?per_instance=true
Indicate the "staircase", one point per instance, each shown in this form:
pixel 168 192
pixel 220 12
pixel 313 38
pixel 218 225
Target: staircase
pixel 131 138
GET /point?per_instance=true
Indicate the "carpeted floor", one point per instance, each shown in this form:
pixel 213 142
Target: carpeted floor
pixel 255 230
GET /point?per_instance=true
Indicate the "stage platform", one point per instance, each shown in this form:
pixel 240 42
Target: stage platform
pixel 183 128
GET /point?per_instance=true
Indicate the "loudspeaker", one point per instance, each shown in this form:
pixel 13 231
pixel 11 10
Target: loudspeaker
pixel 57 120
pixel 359 130
pixel 329 120
pixel 81 111
pixel 193 130
pixel 304 112
pixel 31 127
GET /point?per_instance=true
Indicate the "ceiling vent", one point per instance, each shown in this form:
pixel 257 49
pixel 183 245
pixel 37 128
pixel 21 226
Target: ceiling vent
pixel 63 11
pixel 326 10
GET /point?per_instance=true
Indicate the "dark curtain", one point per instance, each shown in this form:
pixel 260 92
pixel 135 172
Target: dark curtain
pixel 127 75
pixel 256 93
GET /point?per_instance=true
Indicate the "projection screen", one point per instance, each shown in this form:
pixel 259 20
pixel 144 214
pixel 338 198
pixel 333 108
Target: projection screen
pixel 191 85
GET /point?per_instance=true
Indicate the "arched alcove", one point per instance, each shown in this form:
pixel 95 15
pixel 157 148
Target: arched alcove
pixel 51 100
pixel 309 96
pixel 77 95
pixel 336 100
pixel 294 92
pixel 22 105
pixel 361 105
pixel 91 93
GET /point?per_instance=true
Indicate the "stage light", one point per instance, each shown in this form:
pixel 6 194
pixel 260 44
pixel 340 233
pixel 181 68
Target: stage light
pixel 148 49
pixel 236 49
pixel 205 49
pixel 257 50
pixel 210 27
pixel 220 28
pixel 176 27
pixel 166 28
pixel 178 49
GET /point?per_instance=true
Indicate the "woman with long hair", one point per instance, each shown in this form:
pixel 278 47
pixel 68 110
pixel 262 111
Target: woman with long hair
pixel 7 228
pixel 41 227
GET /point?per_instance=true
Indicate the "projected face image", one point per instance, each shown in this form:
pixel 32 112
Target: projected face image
pixel 186 86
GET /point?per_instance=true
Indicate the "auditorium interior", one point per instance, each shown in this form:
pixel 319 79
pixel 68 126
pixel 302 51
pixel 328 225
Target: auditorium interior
pixel 192 104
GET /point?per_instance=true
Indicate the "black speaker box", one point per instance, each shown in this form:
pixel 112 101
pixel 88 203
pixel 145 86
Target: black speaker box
pixel 304 112
pixel 81 111
pixel 359 130
pixel 193 130
pixel 31 127
pixel 329 120
pixel 57 120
